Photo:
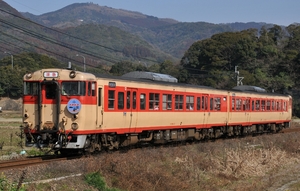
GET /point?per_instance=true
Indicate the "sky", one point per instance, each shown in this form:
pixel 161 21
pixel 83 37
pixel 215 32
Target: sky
pixel 280 12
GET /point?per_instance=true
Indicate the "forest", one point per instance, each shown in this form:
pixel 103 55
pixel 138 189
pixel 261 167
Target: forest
pixel 268 58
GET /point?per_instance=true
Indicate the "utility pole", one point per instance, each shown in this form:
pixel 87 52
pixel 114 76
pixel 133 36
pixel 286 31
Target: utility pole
pixel 238 78
pixel 83 61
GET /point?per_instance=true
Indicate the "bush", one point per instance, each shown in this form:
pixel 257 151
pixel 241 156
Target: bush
pixel 95 180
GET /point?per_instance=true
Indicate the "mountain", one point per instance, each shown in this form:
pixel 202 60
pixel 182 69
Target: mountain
pixel 168 35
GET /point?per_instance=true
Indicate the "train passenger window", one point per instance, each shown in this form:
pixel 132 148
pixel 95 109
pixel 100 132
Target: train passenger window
pixel 111 99
pixel 238 104
pixel 189 102
pixel 128 100
pixel 167 102
pixel 263 104
pixel 284 106
pixel 211 104
pixel 89 88
pixel 257 105
pixel 217 104
pixel 73 88
pixel 30 88
pixel 143 101
pixel 268 105
pixel 278 106
pixel 120 100
pixel 154 101
pixel 134 100
pixel 178 102
pixel 273 105
pixel 204 103
pixel 247 105
pixel 233 104
pixel 198 103
pixel 253 105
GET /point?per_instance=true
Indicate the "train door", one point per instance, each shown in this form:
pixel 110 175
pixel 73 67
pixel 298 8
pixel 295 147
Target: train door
pixel 99 110
pixel 205 110
pixel 131 105
pixel 49 104
pixel 246 108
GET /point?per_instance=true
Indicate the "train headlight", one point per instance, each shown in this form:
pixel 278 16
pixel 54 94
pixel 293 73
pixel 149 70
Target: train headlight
pixel 74 126
pixel 72 74
pixel 26 115
pixel 29 75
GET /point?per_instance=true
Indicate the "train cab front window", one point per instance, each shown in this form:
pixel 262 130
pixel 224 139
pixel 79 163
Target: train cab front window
pixel 30 88
pixel 73 88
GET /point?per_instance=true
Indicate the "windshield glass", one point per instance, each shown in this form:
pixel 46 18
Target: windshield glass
pixel 30 88
pixel 73 88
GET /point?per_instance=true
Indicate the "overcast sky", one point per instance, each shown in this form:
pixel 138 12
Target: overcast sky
pixel 281 12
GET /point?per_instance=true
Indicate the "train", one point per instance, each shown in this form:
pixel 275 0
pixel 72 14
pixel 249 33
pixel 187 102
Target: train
pixel 71 111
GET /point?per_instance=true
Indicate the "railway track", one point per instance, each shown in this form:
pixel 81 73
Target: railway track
pixel 21 163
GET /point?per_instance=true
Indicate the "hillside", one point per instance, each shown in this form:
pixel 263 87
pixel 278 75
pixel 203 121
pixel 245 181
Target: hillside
pixel 168 35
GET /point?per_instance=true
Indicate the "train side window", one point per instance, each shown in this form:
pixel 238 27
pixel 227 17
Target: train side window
pixel 93 88
pixel 178 102
pixel 232 104
pixel 120 100
pixel 198 103
pixel 268 105
pixel 89 88
pixel 143 101
pixel 257 105
pixel 247 104
pixel 128 100
pixel 167 102
pixel 204 103
pixel 99 96
pixel 263 105
pixel 134 100
pixel 111 99
pixel 273 105
pixel 278 105
pixel 154 101
pixel 238 104
pixel 284 106
pixel 253 105
pixel 211 102
pixel 217 104
pixel 189 105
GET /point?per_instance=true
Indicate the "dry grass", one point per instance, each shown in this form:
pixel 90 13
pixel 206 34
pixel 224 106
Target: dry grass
pixel 253 163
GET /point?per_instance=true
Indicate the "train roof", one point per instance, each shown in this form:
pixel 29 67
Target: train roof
pixel 151 76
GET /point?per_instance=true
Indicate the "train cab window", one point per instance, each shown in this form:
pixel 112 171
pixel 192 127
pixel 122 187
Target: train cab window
pixel 111 99
pixel 167 102
pixel 120 100
pixel 189 102
pixel 154 101
pixel 51 91
pixel 143 101
pixel 73 88
pixel 178 102
pixel 198 103
pixel 257 105
pixel 30 88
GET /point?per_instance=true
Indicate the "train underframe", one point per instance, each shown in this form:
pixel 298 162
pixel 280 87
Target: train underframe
pixel 68 143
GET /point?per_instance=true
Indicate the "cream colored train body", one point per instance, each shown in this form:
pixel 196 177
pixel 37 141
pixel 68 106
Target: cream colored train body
pixel 74 111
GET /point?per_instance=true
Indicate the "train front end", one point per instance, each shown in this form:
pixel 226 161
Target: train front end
pixel 54 102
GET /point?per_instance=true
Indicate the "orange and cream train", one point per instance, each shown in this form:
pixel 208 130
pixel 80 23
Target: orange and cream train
pixel 73 111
